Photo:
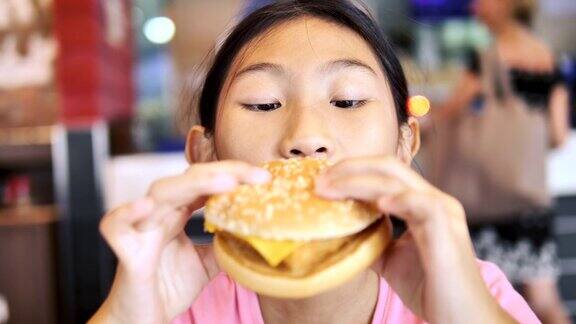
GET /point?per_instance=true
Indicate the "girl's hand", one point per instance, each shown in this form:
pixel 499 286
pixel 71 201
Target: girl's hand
pixel 432 267
pixel 160 272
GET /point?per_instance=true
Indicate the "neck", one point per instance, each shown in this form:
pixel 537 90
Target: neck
pixel 353 302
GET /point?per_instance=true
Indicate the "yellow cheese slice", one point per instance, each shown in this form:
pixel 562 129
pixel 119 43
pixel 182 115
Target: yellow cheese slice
pixel 274 252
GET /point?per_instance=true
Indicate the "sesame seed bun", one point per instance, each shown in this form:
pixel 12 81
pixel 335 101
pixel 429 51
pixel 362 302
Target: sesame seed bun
pixel 287 208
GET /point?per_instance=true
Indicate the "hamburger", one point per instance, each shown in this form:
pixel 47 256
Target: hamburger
pixel 279 239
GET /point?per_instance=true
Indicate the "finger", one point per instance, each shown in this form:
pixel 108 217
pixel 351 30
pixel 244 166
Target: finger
pixel 408 206
pixel 179 195
pixel 119 222
pixel 417 207
pixel 173 223
pixel 362 187
pixel 157 218
pixel 202 180
pixel 383 166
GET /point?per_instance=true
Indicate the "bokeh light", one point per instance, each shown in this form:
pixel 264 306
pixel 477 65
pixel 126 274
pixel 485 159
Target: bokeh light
pixel 418 106
pixel 159 30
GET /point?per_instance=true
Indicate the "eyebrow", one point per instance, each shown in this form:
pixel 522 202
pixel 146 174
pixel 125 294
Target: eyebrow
pixel 327 68
pixel 347 63
pixel 262 67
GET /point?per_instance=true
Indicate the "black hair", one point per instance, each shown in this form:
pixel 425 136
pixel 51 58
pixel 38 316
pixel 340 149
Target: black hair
pixel 524 15
pixel 342 12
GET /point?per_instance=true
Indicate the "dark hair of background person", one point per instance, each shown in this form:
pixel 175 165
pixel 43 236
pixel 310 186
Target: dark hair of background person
pixel 525 11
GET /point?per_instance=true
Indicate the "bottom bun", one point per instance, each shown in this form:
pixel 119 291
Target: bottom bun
pixel 362 257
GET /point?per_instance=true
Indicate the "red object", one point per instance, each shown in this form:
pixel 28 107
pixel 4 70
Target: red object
pixel 94 72
pixel 17 191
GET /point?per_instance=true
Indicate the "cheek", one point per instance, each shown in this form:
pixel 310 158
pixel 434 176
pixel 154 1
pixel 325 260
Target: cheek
pixel 240 136
pixel 370 132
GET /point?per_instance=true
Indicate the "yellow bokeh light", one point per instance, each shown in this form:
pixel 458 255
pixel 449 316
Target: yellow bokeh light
pixel 418 106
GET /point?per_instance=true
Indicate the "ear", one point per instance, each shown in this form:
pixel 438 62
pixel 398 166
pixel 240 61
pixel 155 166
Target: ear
pixel 409 141
pixel 199 146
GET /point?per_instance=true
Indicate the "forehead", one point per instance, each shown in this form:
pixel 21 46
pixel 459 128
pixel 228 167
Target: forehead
pixel 307 41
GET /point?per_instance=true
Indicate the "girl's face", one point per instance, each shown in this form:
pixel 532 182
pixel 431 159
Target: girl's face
pixel 492 12
pixel 306 88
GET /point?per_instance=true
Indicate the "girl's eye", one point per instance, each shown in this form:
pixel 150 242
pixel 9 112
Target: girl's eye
pixel 348 104
pixel 263 107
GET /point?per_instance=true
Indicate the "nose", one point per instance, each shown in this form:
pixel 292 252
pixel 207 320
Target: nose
pixel 307 136
pixel 311 146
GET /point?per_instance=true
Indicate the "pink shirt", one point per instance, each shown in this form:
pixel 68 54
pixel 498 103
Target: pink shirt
pixel 224 302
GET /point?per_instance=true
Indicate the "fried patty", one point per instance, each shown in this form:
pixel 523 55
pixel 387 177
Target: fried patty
pixel 305 260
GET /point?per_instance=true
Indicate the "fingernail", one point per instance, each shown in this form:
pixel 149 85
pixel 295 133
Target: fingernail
pixel 224 181
pixel 260 176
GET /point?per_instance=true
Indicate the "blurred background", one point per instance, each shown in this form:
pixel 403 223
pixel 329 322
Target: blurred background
pixel 89 98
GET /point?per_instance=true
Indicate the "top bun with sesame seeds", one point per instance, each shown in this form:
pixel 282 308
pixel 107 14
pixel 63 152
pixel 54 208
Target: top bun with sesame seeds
pixel 287 208
pixel 280 239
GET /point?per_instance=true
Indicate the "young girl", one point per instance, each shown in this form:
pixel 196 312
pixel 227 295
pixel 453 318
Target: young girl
pixel 305 78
